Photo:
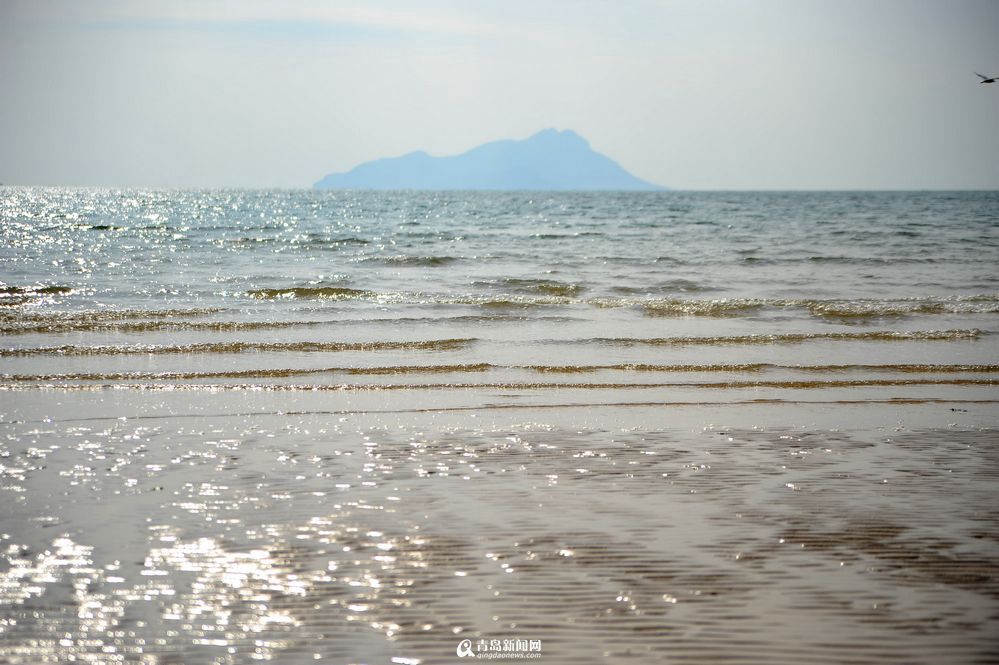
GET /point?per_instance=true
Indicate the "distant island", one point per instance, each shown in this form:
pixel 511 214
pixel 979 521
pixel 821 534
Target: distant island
pixel 548 160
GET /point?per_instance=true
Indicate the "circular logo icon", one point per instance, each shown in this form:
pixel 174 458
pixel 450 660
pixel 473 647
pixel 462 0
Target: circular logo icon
pixel 465 649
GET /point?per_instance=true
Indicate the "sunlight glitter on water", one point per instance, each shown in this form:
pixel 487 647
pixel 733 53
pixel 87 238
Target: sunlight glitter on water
pixel 301 550
pixel 683 427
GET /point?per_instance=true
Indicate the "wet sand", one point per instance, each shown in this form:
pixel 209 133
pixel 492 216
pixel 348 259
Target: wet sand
pixel 211 527
pixel 682 427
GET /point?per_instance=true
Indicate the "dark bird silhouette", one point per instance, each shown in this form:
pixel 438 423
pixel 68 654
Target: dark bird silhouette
pixel 986 79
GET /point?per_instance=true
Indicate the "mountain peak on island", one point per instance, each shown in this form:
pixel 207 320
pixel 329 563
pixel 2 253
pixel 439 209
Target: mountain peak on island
pixel 563 134
pixel 549 160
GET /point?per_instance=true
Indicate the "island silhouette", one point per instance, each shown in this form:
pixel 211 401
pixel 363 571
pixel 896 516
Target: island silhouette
pixel 549 160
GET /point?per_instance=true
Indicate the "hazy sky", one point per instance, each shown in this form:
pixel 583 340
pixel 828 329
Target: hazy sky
pixel 699 94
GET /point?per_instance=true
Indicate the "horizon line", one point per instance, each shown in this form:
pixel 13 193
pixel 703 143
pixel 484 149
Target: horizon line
pixel 664 190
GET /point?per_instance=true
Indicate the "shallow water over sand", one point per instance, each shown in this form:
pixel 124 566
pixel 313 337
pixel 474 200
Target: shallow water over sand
pixel 365 427
pixel 228 533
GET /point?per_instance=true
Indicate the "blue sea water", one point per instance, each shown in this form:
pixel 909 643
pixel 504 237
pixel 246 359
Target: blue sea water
pixel 632 427
pixel 515 278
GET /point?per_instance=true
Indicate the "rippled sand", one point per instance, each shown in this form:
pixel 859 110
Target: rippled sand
pixel 226 532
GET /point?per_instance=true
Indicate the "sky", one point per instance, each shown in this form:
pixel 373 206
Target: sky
pixel 690 94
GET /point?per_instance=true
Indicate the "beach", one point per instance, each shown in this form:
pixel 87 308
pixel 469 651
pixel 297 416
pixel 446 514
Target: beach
pixel 365 427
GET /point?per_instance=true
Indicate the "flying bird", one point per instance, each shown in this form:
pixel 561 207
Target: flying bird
pixel 986 79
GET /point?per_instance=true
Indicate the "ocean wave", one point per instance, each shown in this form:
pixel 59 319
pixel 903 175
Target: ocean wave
pixel 502 303
pixel 152 326
pixel 478 368
pixel 17 301
pixel 323 241
pixel 861 260
pixel 837 260
pixel 711 308
pixel 311 293
pixel 36 290
pixel 513 301
pixel 106 315
pixel 867 309
pixel 406 260
pixel 897 367
pixel 311 241
pixel 760 367
pixel 124 320
pixel 794 338
pixel 131 322
pixel 498 317
pixel 249 373
pixel 376 387
pixel 549 287
pixel 237 347
pixel 848 309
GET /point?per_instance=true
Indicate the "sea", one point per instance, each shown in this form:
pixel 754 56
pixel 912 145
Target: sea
pixel 431 427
